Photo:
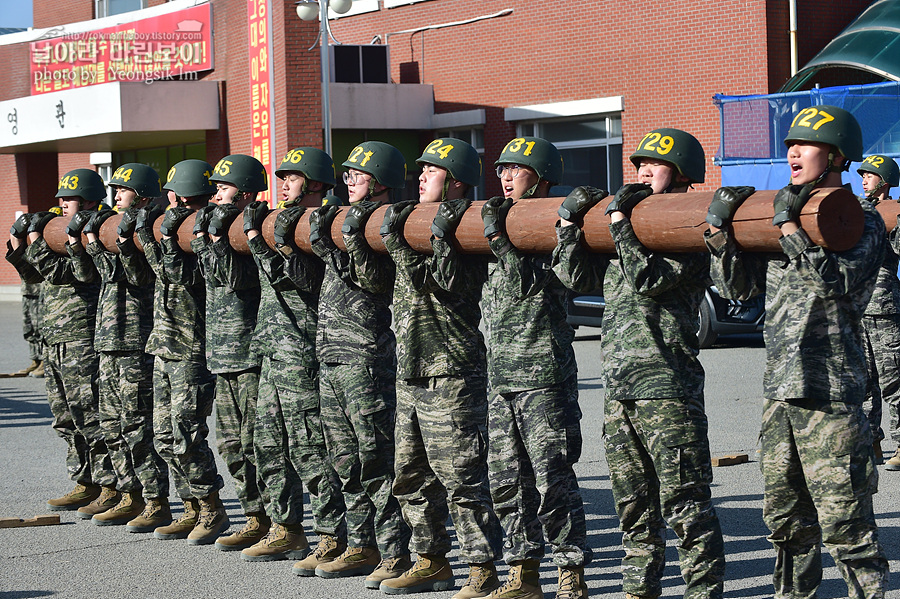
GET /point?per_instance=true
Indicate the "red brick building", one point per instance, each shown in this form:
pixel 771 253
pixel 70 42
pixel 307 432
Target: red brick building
pixel 593 77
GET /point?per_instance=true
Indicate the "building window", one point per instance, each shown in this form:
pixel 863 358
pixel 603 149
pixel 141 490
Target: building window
pixel 591 149
pixel 475 137
pixel 108 8
pixel 160 159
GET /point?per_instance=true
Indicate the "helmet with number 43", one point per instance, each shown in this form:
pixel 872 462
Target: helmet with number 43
pixel 383 161
pixel 535 153
pixel 459 158
pixel 143 179
pixel 679 148
pixel 243 171
pixel 83 183
pixel 190 178
pixel 312 163
pixel 828 125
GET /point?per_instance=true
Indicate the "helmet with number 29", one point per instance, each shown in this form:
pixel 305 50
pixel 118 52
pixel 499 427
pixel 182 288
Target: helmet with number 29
pixel 679 148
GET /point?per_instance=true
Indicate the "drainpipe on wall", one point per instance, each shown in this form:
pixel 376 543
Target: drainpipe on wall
pixel 792 11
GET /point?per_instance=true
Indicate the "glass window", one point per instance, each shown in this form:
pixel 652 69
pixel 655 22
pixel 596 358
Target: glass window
pixel 106 8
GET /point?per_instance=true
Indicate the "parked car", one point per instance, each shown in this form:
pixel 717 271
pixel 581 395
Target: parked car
pixel 718 316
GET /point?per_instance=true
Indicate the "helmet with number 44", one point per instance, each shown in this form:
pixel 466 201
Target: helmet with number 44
pixel 144 180
pixel 828 125
pixel 459 158
pixel 243 171
pixel 383 161
pixel 679 148
pixel 536 153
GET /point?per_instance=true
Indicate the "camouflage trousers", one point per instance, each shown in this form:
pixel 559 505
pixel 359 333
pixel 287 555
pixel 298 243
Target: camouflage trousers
pixel 126 419
pixel 535 442
pixel 358 406
pixel 441 454
pixel 182 401
pixel 660 470
pixel 70 375
pixel 235 421
pixel 881 335
pixel 290 449
pixel 31 331
pixel 819 472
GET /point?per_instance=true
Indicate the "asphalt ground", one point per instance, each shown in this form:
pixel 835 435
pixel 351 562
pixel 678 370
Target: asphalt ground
pixel 79 560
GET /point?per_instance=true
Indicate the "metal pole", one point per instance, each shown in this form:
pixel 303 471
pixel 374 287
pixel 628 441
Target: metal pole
pixel 326 74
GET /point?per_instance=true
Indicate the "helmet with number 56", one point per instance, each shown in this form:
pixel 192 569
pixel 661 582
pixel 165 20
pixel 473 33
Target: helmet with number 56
pixel 535 153
pixel 459 158
pixel 679 148
pixel 383 161
pixel 243 171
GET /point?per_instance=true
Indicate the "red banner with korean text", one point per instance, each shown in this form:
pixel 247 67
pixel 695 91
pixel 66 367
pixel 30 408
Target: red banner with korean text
pixel 260 97
pixel 172 46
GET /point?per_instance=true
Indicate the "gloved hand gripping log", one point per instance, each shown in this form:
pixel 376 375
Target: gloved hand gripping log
pixel 832 217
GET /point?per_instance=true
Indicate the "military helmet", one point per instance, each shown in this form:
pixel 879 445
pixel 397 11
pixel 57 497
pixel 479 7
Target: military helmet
pixel 190 178
pixel 535 153
pixel 383 161
pixel 679 148
pixel 829 125
pixel 83 183
pixel 333 200
pixel 459 158
pixel 883 166
pixel 312 163
pixel 141 178
pixel 243 171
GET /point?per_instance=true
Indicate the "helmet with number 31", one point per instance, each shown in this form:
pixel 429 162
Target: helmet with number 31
pixel 536 153
pixel 459 158
pixel 383 161
pixel 678 148
pixel 828 125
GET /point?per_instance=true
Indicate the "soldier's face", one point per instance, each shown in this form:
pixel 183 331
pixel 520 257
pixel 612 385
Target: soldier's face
pixel 173 198
pixel 292 186
pixel 518 179
pixel 870 181
pixel 225 193
pixel 69 206
pixel 807 160
pixel 357 185
pixel 656 173
pixel 125 198
pixel 431 183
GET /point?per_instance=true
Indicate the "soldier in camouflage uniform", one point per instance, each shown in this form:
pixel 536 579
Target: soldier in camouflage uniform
pixel 183 387
pixel 124 321
pixel 533 416
pixel 31 331
pixel 655 426
pixel 881 323
pixel 816 456
pixel 232 301
pixel 441 422
pixel 288 439
pixel 356 350
pixel 69 302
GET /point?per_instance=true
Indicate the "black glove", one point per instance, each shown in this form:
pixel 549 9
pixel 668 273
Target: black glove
pixel 97 220
pixel 579 201
pixel 725 203
pixel 395 217
pixel 78 222
pixel 628 197
pixel 286 224
pixel 493 213
pixel 358 215
pixel 320 221
pixel 127 224
pixel 789 201
pixel 254 215
pixel 222 217
pixel 202 218
pixel 173 219
pixel 449 213
pixel 39 220
pixel 19 229
pixel 147 215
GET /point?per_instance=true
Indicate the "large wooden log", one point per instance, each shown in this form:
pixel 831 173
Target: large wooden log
pixel 832 218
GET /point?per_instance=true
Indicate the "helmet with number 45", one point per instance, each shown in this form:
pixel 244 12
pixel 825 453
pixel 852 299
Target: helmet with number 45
pixel 883 166
pixel 190 178
pixel 459 158
pixel 679 148
pixel 535 153
pixel 383 161
pixel 144 180
pixel 243 171
pixel 828 125
pixel 312 163
pixel 83 183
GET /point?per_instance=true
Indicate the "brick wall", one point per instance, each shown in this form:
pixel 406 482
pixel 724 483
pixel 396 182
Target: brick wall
pixel 49 13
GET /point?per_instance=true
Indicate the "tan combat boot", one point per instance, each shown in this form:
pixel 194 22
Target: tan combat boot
pixel 328 549
pixel 283 541
pixel 630 596
pixel 571 583
pixel 212 522
pixel 38 372
pixel 130 506
pixel 156 514
pixel 523 582
pixel 390 567
pixel 354 561
pixel 429 573
pixel 183 526
pixel 78 497
pixel 892 464
pixel 254 530
pixel 107 500
pixel 482 581
pixel 28 369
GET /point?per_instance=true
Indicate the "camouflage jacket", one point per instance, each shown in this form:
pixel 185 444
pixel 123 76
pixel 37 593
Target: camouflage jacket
pixel 529 341
pixel 232 303
pixel 69 298
pixel 648 342
pixel 32 281
pixel 886 296
pixel 815 299
pixel 125 309
pixel 436 310
pixel 354 323
pixel 287 320
pixel 179 305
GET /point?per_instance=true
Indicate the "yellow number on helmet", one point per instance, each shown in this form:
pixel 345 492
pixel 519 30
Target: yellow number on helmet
pixel 171 174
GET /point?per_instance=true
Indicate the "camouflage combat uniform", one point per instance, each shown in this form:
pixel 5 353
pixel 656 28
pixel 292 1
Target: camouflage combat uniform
pixel 232 302
pixel 69 305
pixel 816 455
pixel 183 387
pixel 124 321
pixel 31 319
pixel 655 427
pixel 289 443
pixel 356 349
pixel 533 416
pixel 441 424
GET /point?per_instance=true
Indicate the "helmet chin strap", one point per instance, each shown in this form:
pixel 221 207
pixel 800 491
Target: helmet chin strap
pixel 878 187
pixel 371 195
